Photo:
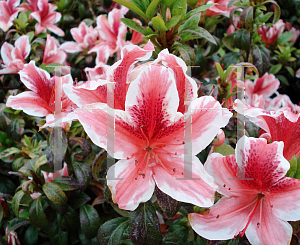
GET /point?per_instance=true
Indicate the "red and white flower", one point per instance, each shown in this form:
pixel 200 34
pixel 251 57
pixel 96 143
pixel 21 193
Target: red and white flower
pixel 111 31
pixel 14 56
pixel 85 38
pixel 49 177
pixel 46 18
pixel 220 9
pixel 258 93
pixel 40 101
pixel 259 202
pixel 12 238
pixel 149 140
pixel 269 35
pixel 52 52
pixel 280 125
pixel 8 12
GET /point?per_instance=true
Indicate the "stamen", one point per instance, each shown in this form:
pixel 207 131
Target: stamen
pixel 161 164
pixel 144 135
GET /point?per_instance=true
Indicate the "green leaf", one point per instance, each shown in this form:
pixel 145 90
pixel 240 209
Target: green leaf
pixel 67 183
pixel 69 220
pixel 133 25
pixel 246 17
pixel 290 70
pixel 261 59
pixel 187 54
pixel 132 7
pixel 228 41
pixel 98 162
pixel 168 205
pixel 56 235
pixel 275 69
pixel 31 235
pixel 179 7
pixel 232 3
pixel 151 8
pixel 37 217
pixel 193 21
pixel 224 149
pixel 263 18
pixel 172 239
pixel 173 21
pixel 110 233
pixel 293 167
pixel 8 152
pixel 144 225
pixel 1 213
pixel 297 174
pixel 277 11
pixel 7 186
pixel 242 39
pixel 55 193
pixel 199 10
pixel 89 221
pixel 200 32
pixel 83 174
pixel 220 71
pixel 78 199
pixel 41 161
pixel 232 58
pixel 16 202
pixel 159 23
pixel 284 38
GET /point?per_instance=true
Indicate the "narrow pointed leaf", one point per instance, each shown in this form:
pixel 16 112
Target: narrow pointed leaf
pixel 132 7
pixel 133 25
pixel 151 8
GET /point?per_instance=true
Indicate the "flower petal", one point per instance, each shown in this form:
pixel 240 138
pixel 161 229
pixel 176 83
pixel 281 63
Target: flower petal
pixel 207 117
pixel 172 179
pixel 71 47
pixel 133 189
pixel 30 102
pixel 285 198
pixel 271 230
pixel 225 218
pixel 23 45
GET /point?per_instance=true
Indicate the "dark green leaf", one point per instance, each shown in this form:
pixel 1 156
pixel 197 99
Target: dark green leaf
pixel 144 225
pixel 110 233
pixel 89 221
pixel 67 183
pixel 168 205
pixel 78 199
pixel 228 41
pixel 1 213
pixel 98 162
pixel 277 11
pixel 133 25
pixel 231 59
pixel 275 68
pixel 263 18
pixel 246 17
pixel 41 161
pixel 17 200
pixel 284 38
pixel 31 235
pixel 37 217
pixel 69 220
pixel 172 239
pixel 201 32
pixel 7 186
pixel 55 193
pixel 261 59
pixel 242 39
pixel 187 54
pixel 193 21
pixel 83 174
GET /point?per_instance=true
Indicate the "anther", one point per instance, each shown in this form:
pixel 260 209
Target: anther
pixel 174 170
pixel 258 224
pixel 224 185
pixel 218 216
pixel 135 178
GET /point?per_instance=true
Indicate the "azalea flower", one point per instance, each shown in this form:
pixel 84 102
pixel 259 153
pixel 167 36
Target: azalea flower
pixel 261 90
pixel 85 38
pixel 296 34
pixel 298 73
pixel 52 53
pixel 220 9
pixel 40 100
pixel 46 18
pixel 30 5
pixel 280 125
pixel 269 35
pixel 258 205
pixel 111 31
pixel 8 12
pixel 12 238
pixel 123 72
pixel 149 140
pixel 14 56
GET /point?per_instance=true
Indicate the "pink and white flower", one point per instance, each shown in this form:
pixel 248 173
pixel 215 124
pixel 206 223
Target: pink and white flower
pixel 269 35
pixel 258 204
pixel 220 9
pixel 8 12
pixel 296 34
pixel 85 38
pixel 14 56
pixel 46 18
pixel 298 73
pixel 40 101
pixel 52 52
pixel 49 177
pixel 111 31
pixel 149 140
pixel 258 93
pixel 280 125
pixel 12 238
